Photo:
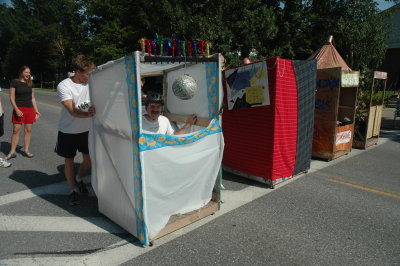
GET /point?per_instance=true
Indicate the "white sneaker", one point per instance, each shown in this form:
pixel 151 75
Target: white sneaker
pixel 4 163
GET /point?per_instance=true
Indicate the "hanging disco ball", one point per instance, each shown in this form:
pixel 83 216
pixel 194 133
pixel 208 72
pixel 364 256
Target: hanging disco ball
pixel 184 87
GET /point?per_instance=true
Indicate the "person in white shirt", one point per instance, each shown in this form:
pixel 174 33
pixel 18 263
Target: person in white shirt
pixel 154 122
pixel 74 125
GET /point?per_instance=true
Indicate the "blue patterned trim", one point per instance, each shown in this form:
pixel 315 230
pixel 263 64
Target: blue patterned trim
pixel 212 89
pixel 131 76
pixel 155 141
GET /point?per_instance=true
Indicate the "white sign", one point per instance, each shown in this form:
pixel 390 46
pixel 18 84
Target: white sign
pixel 380 75
pixel 343 137
pixel 350 79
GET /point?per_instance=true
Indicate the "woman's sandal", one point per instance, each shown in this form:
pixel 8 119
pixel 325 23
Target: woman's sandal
pixel 27 154
pixel 10 156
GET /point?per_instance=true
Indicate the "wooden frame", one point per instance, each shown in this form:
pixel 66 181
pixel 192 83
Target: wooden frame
pixel 336 99
pixel 371 117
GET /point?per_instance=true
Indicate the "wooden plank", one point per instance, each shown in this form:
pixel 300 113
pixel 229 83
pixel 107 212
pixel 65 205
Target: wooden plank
pixel 323 155
pixel 360 144
pixel 181 220
pixel 346 107
pixel 371 141
pixel 339 154
pixel 371 119
pixel 323 137
pixel 204 122
pixel 378 118
pixel 175 68
pixel 152 74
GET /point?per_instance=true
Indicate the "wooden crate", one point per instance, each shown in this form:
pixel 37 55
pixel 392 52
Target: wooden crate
pixel 333 103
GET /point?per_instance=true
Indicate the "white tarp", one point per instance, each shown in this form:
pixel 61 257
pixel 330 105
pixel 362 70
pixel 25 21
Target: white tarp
pixel 172 186
pixel 142 179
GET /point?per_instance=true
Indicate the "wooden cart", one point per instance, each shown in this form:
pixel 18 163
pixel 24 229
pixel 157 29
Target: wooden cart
pixel 335 107
pixel 368 120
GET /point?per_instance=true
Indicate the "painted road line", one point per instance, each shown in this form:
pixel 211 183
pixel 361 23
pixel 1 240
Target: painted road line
pixel 125 251
pixel 339 178
pixel 365 188
pixel 59 224
pixel 128 251
pixel 42 103
pixel 50 105
pixel 60 188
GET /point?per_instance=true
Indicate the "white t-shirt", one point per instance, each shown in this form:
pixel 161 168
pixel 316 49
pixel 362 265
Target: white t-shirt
pixel 161 126
pixel 79 94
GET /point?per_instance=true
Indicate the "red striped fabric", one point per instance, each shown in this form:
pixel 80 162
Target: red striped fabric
pixel 261 141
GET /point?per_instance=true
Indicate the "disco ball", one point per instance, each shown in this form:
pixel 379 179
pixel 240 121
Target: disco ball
pixel 184 87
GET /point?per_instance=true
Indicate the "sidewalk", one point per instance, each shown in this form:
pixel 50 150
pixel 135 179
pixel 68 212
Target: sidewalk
pixel 388 122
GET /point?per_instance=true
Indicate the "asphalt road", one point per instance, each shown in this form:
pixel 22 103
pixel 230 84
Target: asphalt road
pixel 343 212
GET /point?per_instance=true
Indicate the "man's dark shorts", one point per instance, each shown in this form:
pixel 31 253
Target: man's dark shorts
pixel 68 144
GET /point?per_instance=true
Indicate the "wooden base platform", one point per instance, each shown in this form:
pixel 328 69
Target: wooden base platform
pixel 269 182
pixel 365 144
pixel 329 155
pixel 178 221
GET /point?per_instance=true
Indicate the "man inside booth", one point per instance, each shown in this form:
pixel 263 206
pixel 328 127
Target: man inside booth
pixel 154 122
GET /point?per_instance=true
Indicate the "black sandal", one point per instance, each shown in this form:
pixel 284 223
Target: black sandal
pixel 27 154
pixel 10 156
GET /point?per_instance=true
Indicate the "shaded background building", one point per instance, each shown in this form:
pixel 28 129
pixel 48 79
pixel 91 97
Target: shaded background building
pixel 391 64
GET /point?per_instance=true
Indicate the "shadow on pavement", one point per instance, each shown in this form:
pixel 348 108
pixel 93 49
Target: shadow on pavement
pixel 87 209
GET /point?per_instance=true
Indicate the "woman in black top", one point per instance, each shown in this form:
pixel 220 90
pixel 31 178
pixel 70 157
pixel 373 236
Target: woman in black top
pixel 25 112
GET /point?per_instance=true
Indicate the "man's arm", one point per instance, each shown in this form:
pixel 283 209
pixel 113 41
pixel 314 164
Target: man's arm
pixel 69 105
pixel 191 120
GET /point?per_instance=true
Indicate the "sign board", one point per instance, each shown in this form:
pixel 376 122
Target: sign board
pixel 343 137
pixel 247 86
pixel 350 79
pixel 380 75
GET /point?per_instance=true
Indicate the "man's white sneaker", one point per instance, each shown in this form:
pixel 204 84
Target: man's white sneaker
pixel 4 163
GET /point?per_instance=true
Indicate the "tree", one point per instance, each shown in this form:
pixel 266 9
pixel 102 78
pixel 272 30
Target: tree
pixel 47 34
pixel 233 27
pixel 114 28
pixel 44 36
pixel 358 30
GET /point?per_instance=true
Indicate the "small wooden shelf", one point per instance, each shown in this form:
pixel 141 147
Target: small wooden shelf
pixel 346 107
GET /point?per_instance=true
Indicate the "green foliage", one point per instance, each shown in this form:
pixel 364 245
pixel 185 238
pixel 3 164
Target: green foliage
pixel 44 35
pixel 358 30
pixel 47 34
